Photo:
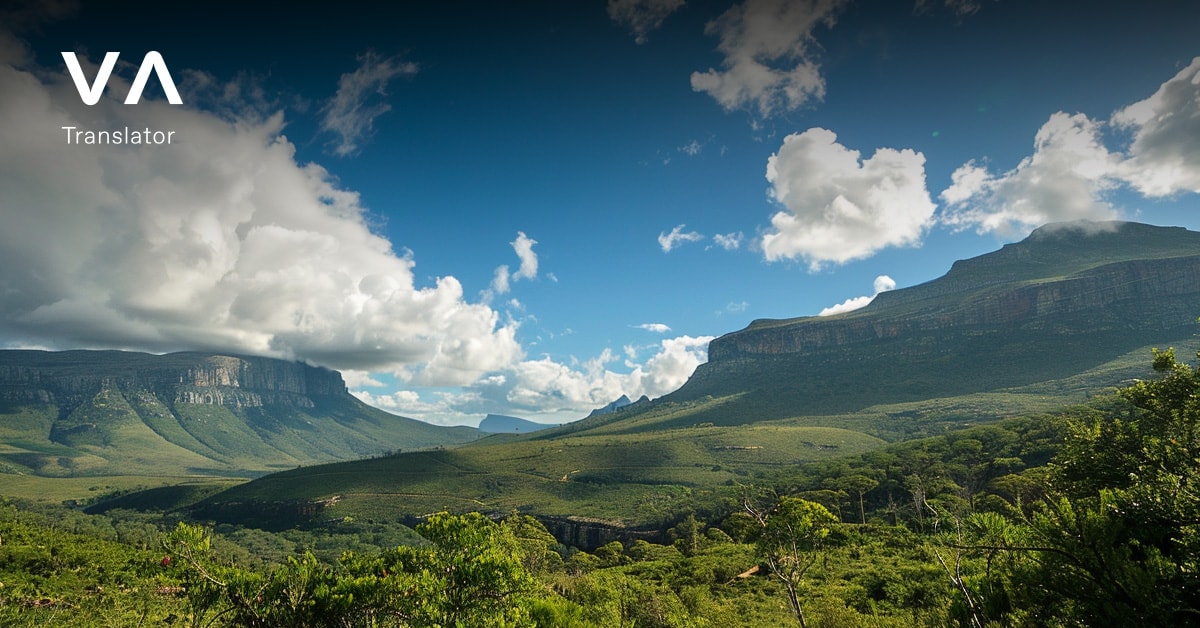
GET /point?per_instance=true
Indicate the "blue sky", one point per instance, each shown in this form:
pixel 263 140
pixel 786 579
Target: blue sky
pixel 532 208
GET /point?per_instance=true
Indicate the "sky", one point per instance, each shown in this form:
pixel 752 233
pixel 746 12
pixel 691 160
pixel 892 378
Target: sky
pixel 531 208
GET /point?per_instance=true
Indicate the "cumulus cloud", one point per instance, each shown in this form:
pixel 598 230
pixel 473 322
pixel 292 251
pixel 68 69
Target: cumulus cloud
pixel 729 241
pixel 838 208
pixel 219 241
pixel 1164 156
pixel 546 385
pixel 351 113
pixel 883 283
pixel 669 241
pixel 642 16
pixel 658 328
pixel 1065 178
pixel 768 47
pixel 1072 171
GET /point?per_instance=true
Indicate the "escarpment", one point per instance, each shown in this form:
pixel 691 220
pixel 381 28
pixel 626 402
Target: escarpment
pixel 1067 299
pixel 69 378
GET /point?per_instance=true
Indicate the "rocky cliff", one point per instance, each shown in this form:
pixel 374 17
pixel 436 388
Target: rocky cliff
pixel 69 378
pixel 1066 299
pixel 1159 294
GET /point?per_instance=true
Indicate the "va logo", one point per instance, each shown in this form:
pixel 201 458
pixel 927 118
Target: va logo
pixel 151 62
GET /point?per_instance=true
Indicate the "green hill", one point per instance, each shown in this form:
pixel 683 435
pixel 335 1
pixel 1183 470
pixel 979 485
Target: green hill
pixel 93 413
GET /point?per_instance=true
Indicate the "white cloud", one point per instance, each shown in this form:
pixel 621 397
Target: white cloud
pixel 691 149
pixel 658 328
pixel 677 236
pixel 729 241
pixel 502 278
pixel 1164 156
pixel 1065 179
pixel 360 379
pixel 549 386
pixel 1071 171
pixel 883 283
pixel 642 16
pixel 352 111
pixel 523 246
pixel 500 282
pixel 768 49
pixel 838 208
pixel 219 241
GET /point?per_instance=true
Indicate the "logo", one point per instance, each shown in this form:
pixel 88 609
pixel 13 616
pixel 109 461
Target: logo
pixel 90 94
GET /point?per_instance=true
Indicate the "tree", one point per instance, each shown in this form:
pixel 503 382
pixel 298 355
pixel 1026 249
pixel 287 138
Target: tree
pixel 1116 539
pixel 793 533
pixel 859 484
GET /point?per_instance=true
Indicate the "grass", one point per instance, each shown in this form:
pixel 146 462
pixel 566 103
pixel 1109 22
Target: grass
pixel 88 489
pixel 630 478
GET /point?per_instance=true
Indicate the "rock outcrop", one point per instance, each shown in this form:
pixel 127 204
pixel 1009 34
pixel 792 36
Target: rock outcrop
pixel 69 378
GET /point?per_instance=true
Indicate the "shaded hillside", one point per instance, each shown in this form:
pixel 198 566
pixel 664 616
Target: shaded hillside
pixel 1067 299
pixel 113 412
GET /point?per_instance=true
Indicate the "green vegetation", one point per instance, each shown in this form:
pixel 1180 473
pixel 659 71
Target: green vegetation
pixel 1085 517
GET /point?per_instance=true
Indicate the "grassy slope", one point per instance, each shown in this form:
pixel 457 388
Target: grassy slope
pixel 628 477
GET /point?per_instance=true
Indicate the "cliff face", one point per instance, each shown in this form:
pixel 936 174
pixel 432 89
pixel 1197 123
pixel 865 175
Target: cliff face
pixel 1066 300
pixel 68 378
pixel 1148 294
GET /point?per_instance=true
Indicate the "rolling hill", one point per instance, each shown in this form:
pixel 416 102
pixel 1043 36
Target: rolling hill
pixel 1050 321
pixel 92 413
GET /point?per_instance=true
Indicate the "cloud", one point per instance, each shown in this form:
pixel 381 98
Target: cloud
pixel 1072 172
pixel 838 208
pixel 691 149
pixel 883 283
pixel 1064 179
pixel 677 236
pixel 523 246
pixel 657 328
pixel 1164 156
pixel 642 16
pixel 351 113
pixel 502 278
pixel 548 386
pixel 768 49
pixel 220 241
pixel 729 241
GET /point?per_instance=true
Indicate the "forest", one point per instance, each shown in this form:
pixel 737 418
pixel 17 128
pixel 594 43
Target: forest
pixel 1087 516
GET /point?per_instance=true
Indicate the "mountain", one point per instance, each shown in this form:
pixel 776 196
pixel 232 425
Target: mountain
pixel 500 424
pixel 622 402
pixel 1069 298
pixel 113 412
pixel 1067 313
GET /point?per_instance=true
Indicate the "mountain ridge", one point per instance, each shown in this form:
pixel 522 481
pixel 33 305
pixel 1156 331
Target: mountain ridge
pixel 102 412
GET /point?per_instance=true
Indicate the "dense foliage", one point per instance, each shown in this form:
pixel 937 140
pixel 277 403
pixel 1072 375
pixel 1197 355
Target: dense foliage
pixel 1088 517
